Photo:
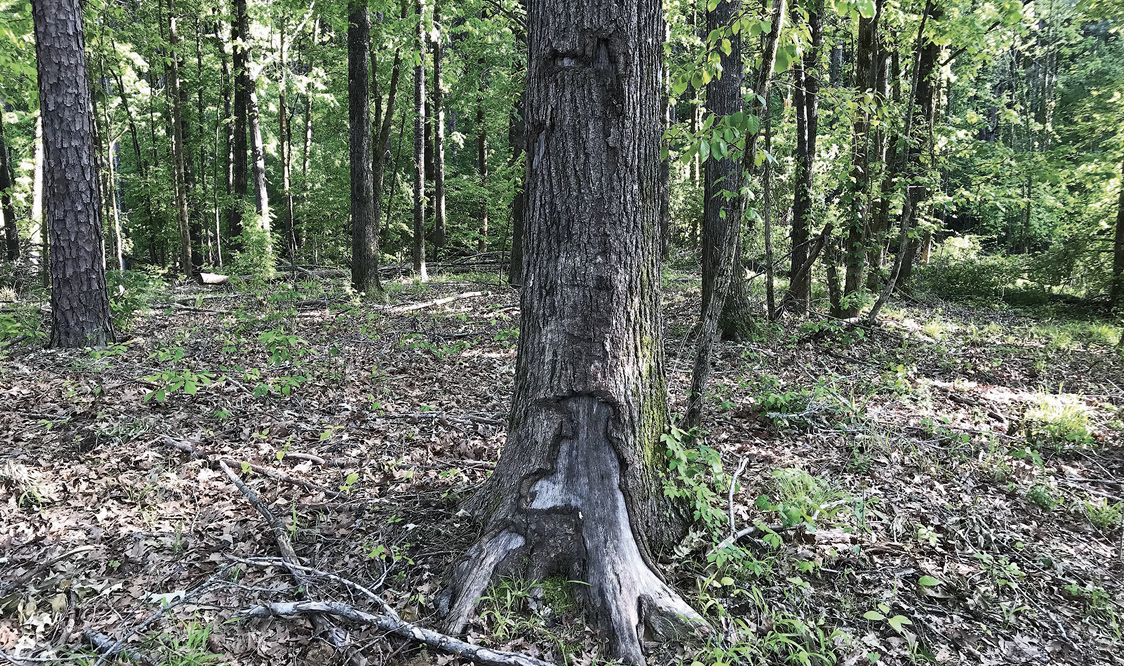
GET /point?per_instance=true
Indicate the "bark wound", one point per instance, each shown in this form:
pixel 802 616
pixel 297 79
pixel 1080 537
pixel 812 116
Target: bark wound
pixel 572 520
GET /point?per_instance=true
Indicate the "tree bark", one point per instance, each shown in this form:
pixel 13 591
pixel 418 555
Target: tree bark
pixel 187 262
pixel 1117 291
pixel 80 314
pixel 419 145
pixel 364 222
pixel 482 166
pixel 240 35
pixel 858 228
pixel 805 94
pixel 286 142
pixel 7 210
pixel 438 120
pixel 575 492
pixel 723 179
pixel 517 139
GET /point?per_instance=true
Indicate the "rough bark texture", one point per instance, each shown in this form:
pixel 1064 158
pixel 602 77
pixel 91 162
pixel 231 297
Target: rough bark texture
pixel 364 216
pixel 240 31
pixel 1118 249
pixel 723 180
pixel 285 139
pixel 7 210
pixel 187 264
pixel 858 228
pixel 80 313
pixel 805 94
pixel 575 492
pixel 419 144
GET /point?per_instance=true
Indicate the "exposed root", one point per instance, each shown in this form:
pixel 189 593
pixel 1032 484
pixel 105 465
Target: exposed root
pixel 574 521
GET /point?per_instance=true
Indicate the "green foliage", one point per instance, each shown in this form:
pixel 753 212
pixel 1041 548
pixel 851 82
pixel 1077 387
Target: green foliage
pixel 695 477
pixel 1059 421
pixel 960 270
pixel 131 291
pixel 1103 514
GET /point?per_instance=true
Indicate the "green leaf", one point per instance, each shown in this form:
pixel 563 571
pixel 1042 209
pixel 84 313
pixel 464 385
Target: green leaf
pixel 866 8
pixel 929 581
pixel 899 621
pixel 874 616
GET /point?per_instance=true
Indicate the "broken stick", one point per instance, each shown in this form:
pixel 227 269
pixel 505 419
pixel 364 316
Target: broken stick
pixel 433 639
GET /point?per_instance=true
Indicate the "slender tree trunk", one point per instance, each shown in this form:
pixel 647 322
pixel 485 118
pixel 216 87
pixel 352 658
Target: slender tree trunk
pixel 1118 249
pixel 482 166
pixel 921 98
pixel 364 222
pixel 858 228
pixel 767 213
pixel 384 121
pixel 807 126
pixel 517 140
pixel 286 141
pixel 39 234
pixel 257 154
pixel 203 238
pixel 576 490
pixel 7 210
pixel 887 150
pixel 240 36
pixel 80 314
pixel 187 264
pixel 419 144
pixel 306 154
pixel 438 120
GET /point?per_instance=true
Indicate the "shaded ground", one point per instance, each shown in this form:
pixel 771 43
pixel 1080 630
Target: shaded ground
pixel 945 487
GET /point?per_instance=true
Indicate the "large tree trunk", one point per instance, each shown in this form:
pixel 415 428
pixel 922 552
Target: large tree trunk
pixel 575 492
pixel 187 263
pixel 1118 249
pixel 7 210
pixel 805 94
pixel 80 314
pixel 438 120
pixel 240 35
pixel 364 222
pixel 858 229
pixel 419 144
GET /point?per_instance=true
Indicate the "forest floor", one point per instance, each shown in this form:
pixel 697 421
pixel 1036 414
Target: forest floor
pixel 947 486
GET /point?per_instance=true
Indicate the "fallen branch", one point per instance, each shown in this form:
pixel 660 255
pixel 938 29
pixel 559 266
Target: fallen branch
pixel 6 588
pixel 110 648
pixel 439 301
pixel 433 639
pixel 361 589
pixel 195 454
pixel 288 554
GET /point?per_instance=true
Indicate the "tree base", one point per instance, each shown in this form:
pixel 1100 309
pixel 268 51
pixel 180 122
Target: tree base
pixel 570 517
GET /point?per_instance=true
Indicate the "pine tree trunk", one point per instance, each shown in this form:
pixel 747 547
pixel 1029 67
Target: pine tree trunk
pixel 364 222
pixel 419 145
pixel 7 210
pixel 80 314
pixel 187 264
pixel 576 491
pixel 239 36
pixel 438 120
pixel 807 122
